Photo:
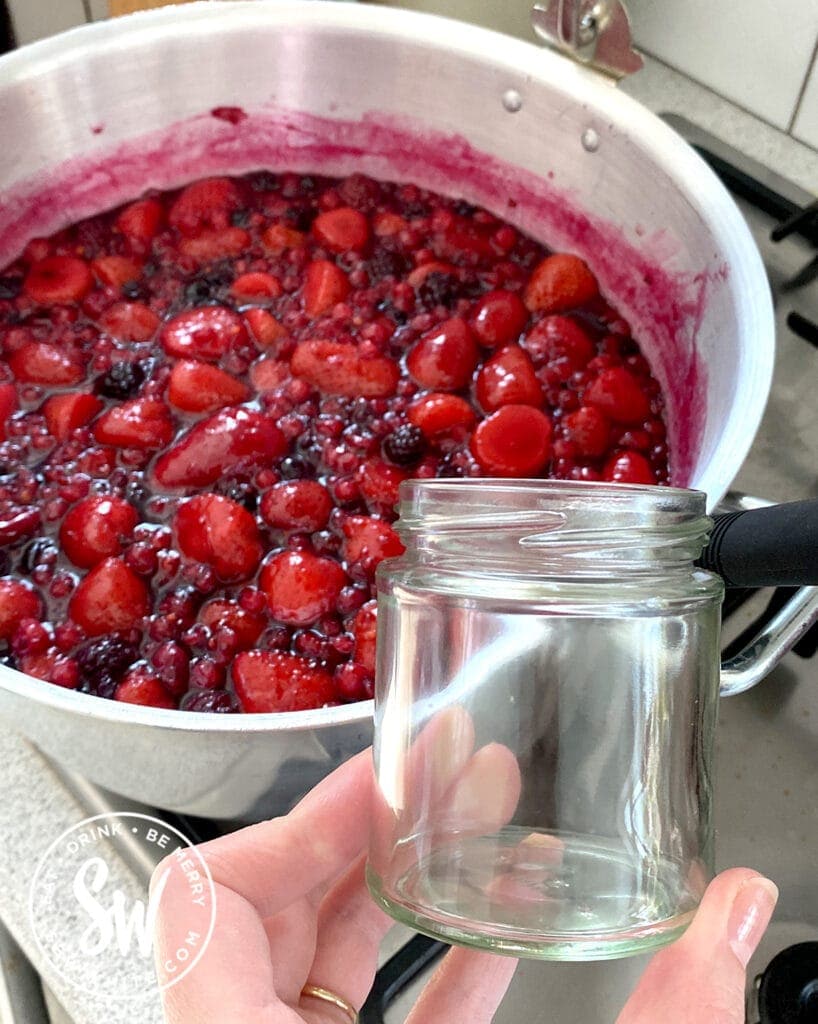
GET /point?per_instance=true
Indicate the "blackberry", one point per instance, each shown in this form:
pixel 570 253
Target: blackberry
pixel 208 289
pixel 300 217
pixel 264 181
pixel 293 468
pixel 464 209
pixel 448 468
pixel 415 208
pixel 103 663
pixel 122 381
pixel 438 289
pixel 385 263
pixel 405 446
pixel 393 312
pixel 10 287
pixel 240 218
pixel 219 702
pixel 240 491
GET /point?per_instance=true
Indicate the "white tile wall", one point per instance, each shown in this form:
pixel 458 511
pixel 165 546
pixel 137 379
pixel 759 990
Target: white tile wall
pixel 806 123
pixel 34 19
pixel 755 52
pixel 99 9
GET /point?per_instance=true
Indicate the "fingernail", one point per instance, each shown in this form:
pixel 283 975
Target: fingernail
pixel 751 912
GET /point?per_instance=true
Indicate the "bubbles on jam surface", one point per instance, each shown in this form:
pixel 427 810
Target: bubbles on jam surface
pixel 209 398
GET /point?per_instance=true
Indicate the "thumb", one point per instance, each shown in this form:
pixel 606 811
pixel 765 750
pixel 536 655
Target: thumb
pixel 700 979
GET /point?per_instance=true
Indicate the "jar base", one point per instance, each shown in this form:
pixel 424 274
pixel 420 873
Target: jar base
pixel 539 895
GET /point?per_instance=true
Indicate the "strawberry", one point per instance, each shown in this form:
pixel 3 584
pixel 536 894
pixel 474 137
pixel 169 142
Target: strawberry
pixel 325 285
pixel 58 279
pixel 141 686
pixel 227 440
pixel 268 681
pixel 558 283
pixel 256 286
pixel 498 319
pixel 464 242
pixel 278 237
pixel 65 413
pixel 140 223
pixel 264 329
pixel 8 405
pixel 17 521
pixel 628 468
pixel 589 430
pixel 18 600
pixel 110 599
pixel 419 274
pixel 206 333
pixel 508 378
pixel 267 374
pixel 379 482
pixel 199 387
pixel 341 230
pixel 364 630
pixel 137 423
pixel 208 246
pixel 369 540
pixel 438 413
pixel 96 528
pixel 115 271
pixel 38 362
pixel 129 321
pixel 221 533
pixel 445 357
pixel 559 338
pixel 297 505
pixel 247 625
pixel 205 205
pixel 301 587
pixel 515 441
pixel 336 368
pixel 617 393
pixel 386 224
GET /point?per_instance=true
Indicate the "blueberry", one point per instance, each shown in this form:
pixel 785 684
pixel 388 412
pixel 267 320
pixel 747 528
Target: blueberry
pixel 122 381
pixel 405 445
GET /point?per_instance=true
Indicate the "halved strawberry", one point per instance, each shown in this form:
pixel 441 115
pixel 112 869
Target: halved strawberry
pixel 618 394
pixel 207 246
pixel 275 681
pixel 205 333
pixel 364 629
pixel 267 374
pixel 97 528
pixel 369 540
pixel 589 430
pixel 8 405
pixel 419 274
pixel 18 601
pixel 325 285
pixel 137 423
pixel 129 321
pixel 498 318
pixel 264 329
pixel 140 223
pixel 38 362
pixel 558 283
pixel 248 626
pixel 438 413
pixel 337 368
pixel 301 587
pixel 141 686
pixel 628 468
pixel 379 482
pixel 515 441
pixel 559 338
pixel 228 439
pixel 508 378
pixel 116 270
pixel 205 205
pixel 58 279
pixel 199 387
pixel 341 230
pixel 256 286
pixel 65 413
pixel 279 237
pixel 110 599
pixel 445 357
pixel 221 533
pixel 18 521
pixel 297 505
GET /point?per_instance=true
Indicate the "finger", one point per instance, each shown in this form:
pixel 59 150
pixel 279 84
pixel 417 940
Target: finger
pixel 701 977
pixel 467 988
pixel 350 929
pixel 272 864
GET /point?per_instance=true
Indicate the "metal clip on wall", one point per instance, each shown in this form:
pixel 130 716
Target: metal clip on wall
pixel 592 32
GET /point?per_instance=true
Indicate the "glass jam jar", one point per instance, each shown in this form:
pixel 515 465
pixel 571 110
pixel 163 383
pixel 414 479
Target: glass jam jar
pixel 546 699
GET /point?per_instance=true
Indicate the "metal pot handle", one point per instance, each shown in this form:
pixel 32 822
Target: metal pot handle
pixel 596 33
pixel 760 656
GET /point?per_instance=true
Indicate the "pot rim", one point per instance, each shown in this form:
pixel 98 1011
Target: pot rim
pixel 520 59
